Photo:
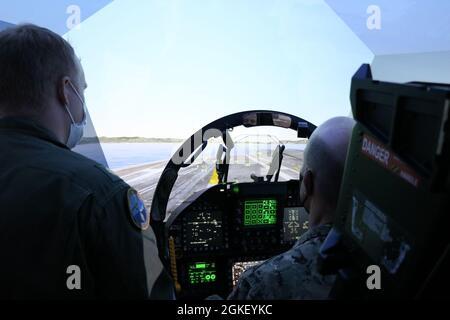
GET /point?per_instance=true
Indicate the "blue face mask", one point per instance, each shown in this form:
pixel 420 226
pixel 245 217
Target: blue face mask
pixel 76 129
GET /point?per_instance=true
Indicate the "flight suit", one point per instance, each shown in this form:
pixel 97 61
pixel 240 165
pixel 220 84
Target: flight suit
pixel 290 275
pixel 67 228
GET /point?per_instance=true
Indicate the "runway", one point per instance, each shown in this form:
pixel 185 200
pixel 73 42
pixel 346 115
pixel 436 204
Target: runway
pixel 197 176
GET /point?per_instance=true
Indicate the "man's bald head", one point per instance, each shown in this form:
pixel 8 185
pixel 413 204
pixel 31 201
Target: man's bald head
pixel 324 160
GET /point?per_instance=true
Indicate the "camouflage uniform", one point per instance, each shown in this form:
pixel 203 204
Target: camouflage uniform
pixel 290 275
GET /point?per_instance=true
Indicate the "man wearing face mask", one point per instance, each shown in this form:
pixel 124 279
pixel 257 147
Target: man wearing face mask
pixel 68 227
pixel 293 274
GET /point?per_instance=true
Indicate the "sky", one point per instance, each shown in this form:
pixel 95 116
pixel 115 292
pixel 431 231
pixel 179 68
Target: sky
pixel 165 68
pixel 405 26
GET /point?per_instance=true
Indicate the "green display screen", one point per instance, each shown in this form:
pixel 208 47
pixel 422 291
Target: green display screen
pixel 260 212
pixel 202 272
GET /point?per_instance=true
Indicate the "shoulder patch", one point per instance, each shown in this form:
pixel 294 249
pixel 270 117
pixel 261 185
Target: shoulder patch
pixel 138 212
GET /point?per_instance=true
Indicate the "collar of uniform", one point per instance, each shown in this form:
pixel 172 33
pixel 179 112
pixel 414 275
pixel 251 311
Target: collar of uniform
pixel 318 231
pixel 28 126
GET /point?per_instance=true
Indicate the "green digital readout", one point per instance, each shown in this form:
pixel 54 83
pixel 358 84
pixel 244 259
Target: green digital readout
pixel 260 212
pixel 202 272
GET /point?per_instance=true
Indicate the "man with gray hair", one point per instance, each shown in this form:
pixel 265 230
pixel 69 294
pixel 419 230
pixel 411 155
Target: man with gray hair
pixel 68 227
pixel 293 274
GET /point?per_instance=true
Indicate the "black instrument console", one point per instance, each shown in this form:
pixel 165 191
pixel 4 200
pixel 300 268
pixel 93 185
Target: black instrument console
pixel 217 234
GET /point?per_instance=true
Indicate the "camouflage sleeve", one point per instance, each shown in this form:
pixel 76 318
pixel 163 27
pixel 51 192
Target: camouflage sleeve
pixel 243 288
pixel 256 283
pixel 291 275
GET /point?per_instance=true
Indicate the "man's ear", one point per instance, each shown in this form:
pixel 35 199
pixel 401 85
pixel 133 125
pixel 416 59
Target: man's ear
pixel 308 181
pixel 62 90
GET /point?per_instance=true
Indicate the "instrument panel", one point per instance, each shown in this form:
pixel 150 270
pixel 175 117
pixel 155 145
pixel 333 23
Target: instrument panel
pixel 219 233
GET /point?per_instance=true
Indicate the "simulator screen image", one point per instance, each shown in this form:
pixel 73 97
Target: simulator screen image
pixel 223 159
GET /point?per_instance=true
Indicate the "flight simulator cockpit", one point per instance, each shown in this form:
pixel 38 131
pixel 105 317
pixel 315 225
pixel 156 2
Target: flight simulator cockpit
pixel 217 233
pixel 215 236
